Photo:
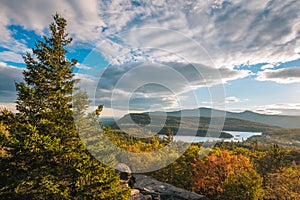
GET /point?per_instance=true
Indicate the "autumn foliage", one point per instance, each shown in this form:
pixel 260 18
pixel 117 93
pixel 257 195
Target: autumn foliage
pixel 212 172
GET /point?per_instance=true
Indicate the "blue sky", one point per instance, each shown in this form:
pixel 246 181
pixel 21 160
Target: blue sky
pixel 166 55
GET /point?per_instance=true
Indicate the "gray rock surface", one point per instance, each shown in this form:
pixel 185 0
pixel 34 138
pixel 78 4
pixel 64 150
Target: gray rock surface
pixel 126 178
pixel 151 189
pixel 122 167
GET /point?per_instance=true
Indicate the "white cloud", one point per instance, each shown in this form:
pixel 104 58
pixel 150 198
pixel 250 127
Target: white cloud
pixel 87 83
pixel 82 66
pixel 282 108
pixel 4 32
pixel 141 85
pixel 232 32
pixel 36 15
pixel 84 23
pixel 8 106
pixel 232 99
pixel 267 66
pixel 221 33
pixel 285 75
pixel 234 103
pixel 13 46
pixel 11 56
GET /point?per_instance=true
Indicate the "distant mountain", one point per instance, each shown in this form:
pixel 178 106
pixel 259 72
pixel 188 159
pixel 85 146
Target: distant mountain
pixel 189 125
pixel 107 121
pixel 283 121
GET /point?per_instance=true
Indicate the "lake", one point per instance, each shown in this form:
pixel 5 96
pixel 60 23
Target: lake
pixel 237 137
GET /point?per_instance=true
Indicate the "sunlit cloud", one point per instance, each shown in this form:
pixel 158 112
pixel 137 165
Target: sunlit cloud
pixel 222 35
pixel 143 85
pixel 231 32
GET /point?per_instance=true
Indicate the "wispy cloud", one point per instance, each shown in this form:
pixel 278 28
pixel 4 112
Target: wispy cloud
pixel 14 48
pixel 231 32
pixel 232 100
pixel 282 108
pixel 83 18
pixel 217 35
pixel 11 57
pixel 82 66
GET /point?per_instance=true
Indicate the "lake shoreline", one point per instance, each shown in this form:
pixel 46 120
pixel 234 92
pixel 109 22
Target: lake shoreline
pixel 238 136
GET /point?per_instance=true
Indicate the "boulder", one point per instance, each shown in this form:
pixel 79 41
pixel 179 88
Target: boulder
pixel 126 178
pixel 149 187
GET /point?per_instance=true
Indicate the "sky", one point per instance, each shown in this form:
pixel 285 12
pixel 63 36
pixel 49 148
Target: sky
pixel 136 56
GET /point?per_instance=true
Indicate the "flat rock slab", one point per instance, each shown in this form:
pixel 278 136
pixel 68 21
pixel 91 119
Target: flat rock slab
pixel 148 186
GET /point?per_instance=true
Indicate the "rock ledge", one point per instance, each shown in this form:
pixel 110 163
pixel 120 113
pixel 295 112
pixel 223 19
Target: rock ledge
pixel 151 189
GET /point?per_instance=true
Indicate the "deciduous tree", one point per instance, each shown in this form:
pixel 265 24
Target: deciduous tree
pixel 283 184
pixel 211 172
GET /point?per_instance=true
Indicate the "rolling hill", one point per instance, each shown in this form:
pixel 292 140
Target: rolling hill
pixel 189 125
pixel 283 121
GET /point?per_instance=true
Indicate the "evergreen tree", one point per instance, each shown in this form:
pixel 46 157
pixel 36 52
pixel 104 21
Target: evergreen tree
pixel 49 80
pixel 44 156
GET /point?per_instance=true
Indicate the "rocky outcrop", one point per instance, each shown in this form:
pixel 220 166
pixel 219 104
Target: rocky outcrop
pixel 147 188
pixel 126 178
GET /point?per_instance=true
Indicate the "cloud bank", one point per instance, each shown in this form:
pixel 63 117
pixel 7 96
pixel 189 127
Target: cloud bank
pixel 231 32
pixel 145 85
pixel 217 35
pixel 282 109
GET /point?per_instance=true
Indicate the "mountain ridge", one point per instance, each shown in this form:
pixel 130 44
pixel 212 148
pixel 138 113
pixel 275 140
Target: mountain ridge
pixel 284 121
pixel 143 123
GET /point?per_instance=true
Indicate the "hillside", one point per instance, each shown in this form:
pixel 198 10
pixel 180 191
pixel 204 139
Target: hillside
pixel 188 126
pixel 284 137
pixel 283 121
